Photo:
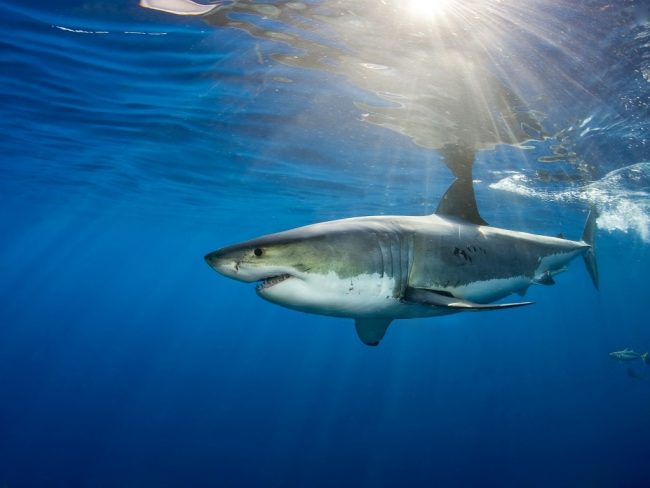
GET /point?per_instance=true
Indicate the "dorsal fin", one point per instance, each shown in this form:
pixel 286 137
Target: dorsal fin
pixel 459 201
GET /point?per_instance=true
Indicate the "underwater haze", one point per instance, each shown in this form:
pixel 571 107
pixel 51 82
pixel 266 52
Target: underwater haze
pixel 135 140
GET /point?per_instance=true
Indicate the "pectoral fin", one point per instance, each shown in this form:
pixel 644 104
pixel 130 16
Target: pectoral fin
pixel 437 299
pixel 371 330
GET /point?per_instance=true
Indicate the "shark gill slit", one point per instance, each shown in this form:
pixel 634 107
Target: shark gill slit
pixel 404 266
pixel 381 254
pixel 400 265
pixel 393 243
pixel 389 251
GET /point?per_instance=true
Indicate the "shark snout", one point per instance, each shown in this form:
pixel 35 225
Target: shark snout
pixel 212 259
pixel 230 264
pixel 221 263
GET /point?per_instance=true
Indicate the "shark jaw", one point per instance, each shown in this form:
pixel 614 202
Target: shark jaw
pixel 272 281
pixel 266 276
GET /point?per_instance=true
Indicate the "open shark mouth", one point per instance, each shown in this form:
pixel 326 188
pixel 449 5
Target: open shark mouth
pixel 273 280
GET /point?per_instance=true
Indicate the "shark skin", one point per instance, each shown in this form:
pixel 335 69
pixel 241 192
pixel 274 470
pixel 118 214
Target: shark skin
pixel 380 268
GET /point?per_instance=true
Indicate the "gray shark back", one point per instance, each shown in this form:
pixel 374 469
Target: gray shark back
pixel 466 258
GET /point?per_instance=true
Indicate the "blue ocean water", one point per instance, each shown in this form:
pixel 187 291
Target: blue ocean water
pixel 134 141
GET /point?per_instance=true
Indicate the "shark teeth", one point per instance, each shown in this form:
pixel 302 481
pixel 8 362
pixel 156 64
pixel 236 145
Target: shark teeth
pixel 273 280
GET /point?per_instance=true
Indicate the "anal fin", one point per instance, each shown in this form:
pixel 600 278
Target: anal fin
pixel 522 291
pixel 371 330
pixel 430 297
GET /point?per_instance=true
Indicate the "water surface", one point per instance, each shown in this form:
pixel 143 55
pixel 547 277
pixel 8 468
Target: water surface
pixel 135 141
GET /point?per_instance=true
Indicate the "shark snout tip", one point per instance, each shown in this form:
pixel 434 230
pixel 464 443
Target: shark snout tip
pixel 212 259
pixel 222 264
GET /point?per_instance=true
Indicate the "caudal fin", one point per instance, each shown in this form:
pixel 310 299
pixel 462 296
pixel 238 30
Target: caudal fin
pixel 589 237
pixel 644 356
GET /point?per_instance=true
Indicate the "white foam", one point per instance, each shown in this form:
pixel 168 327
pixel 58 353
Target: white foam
pixel 80 31
pixel 146 33
pixel 621 196
pixel 628 216
pixel 83 31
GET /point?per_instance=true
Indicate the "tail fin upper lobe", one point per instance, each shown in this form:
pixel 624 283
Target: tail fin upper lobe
pixel 588 237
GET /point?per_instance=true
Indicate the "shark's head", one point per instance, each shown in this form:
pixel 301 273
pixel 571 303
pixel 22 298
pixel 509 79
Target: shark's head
pixel 313 269
pixel 286 264
pixel 269 260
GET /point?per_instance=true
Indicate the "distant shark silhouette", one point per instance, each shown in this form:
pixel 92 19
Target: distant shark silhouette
pixel 380 268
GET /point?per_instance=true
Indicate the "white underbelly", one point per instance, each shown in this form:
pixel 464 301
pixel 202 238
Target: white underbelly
pixel 363 295
pixel 366 295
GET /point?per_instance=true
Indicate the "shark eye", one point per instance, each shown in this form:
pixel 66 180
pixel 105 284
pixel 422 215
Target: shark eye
pixel 258 252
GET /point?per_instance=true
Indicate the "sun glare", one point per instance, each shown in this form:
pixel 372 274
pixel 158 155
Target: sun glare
pixel 428 9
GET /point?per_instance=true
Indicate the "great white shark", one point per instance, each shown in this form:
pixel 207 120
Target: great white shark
pixel 381 268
